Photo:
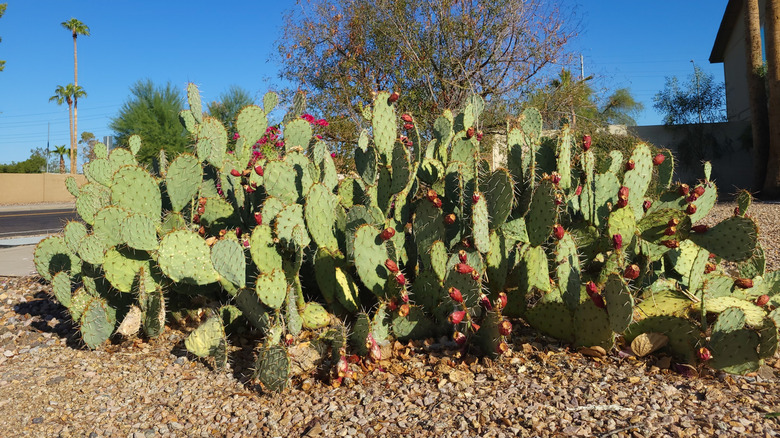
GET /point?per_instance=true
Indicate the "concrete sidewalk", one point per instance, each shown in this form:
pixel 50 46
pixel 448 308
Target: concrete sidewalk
pixel 32 207
pixel 17 261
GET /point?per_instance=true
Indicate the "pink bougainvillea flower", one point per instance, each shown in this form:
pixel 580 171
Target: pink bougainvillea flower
pixel 318 137
pixel 333 155
pixel 308 117
pixel 322 122
pixel 279 144
pixel 236 136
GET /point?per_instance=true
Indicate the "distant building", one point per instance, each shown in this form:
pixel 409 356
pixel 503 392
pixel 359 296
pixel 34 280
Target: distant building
pixel 729 49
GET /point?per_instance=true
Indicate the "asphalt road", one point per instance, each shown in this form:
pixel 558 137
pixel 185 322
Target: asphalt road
pixel 27 223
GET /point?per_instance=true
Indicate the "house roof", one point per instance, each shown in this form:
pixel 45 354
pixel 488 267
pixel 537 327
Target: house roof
pixel 730 17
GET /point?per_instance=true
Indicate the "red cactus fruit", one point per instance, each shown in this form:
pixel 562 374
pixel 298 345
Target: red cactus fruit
pixel 392 305
pixel 558 231
pixel 505 328
pixel 598 300
pixel 646 205
pixel 408 126
pixel 709 267
pixel 201 209
pixel 586 142
pixel 391 266
pixel 403 310
pixel 617 241
pixel 555 178
pixel 462 256
pixel 456 316
pixel 658 159
pixel 259 218
pixel 684 189
pixel 479 136
pixel 621 203
pixel 431 195
pixel 698 190
pixel 470 132
pixel 235 172
pixel 459 338
pixel 404 296
pixel 671 243
pixel 712 256
pixel 631 272
pixel 692 198
pixel 591 288
pixel 437 203
pixel 238 232
pixel 259 170
pixel 196 219
pixel 700 228
pixel 623 193
pixel 704 354
pixel 630 165
pixel 502 347
pixel 475 197
pixel 578 192
pixel 743 283
pixel 463 268
pixel 466 243
pixel 502 300
pixel 387 234
pixel 484 301
pixel 449 219
pixel 375 351
pixel 670 231
pixel 400 279
pixel 455 294
pixel 475 275
pixel 202 201
pixel 691 209
pixel 393 97
pixel 202 230
pixel 736 211
pixel 406 118
pixel 762 300
pixel 558 199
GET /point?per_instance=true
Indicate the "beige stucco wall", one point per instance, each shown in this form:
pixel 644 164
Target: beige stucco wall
pixel 30 188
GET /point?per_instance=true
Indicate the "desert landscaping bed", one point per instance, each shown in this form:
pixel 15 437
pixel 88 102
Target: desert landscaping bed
pixel 54 387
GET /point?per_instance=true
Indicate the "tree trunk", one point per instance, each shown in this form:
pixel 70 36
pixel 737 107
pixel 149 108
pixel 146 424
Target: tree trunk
pixel 772 35
pixel 70 124
pixel 62 164
pixel 75 149
pixel 759 120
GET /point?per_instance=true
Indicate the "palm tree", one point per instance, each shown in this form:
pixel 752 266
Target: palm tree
pixel 77 28
pixel 61 151
pixel 68 94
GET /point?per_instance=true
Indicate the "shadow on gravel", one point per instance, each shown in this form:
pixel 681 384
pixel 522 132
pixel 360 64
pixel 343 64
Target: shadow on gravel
pixel 43 309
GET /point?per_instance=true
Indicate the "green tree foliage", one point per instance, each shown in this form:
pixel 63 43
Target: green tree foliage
pixel 35 164
pixel 153 113
pixel 227 107
pixel 700 100
pixel 69 94
pixel 433 53
pixel 87 141
pixel 576 101
pixel 3 6
pixel 61 150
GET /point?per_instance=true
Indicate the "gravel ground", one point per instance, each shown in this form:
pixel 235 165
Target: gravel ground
pixel 131 388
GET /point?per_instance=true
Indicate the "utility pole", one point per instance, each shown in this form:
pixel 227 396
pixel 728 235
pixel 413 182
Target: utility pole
pixel 48 137
pixel 698 94
pixel 582 67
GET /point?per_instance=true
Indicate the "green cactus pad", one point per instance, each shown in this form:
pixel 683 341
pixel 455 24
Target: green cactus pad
pixel 73 233
pixel 263 250
pixel 664 303
pixel 212 142
pixel 272 367
pixel 320 215
pixel 286 223
pixel 100 171
pixel 705 202
pixel 52 256
pixel 753 315
pixel 366 164
pixel 139 232
pixel 735 352
pixel 193 99
pixel 92 250
pixel 567 269
pixel 108 225
pixel 229 260
pixel 207 339
pixel 428 224
pixel 542 214
pixel 621 221
pixel 133 189
pixel 479 225
pixel 60 286
pixel 593 327
pixel 620 303
pixel 297 133
pixel 497 260
pixel 251 123
pixel 415 325
pixel 535 261
pixel 430 171
pixel 122 266
pixel 553 319
pixel 92 197
pixel 121 157
pixel 335 282
pixel 271 287
pixel 384 122
pixel 638 179
pixel 187 119
pixel 360 331
pixel 402 169
pixel 498 188
pixel 752 267
pixel 182 180
pixel 734 239
pixel 252 309
pixel 154 313
pixel 370 256
pixel 97 322
pixel 427 290
pixel 280 181
pixel 184 256
pixel 315 316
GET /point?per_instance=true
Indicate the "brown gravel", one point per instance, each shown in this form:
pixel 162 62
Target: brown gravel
pixel 52 387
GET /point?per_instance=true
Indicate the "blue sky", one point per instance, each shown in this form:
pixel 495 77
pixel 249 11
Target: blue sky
pixel 632 44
